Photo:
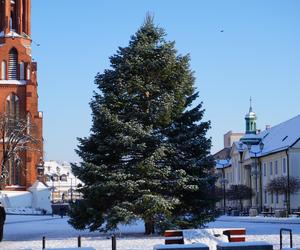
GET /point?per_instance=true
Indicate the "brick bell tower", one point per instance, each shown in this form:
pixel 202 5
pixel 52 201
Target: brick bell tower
pixel 18 87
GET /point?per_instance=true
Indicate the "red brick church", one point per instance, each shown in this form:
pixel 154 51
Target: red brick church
pixel 18 87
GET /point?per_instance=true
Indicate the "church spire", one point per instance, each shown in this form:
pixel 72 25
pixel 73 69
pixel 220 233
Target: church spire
pixel 250 120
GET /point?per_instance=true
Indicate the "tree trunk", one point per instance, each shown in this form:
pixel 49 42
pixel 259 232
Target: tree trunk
pixel 149 227
pixel 288 203
pixel 241 205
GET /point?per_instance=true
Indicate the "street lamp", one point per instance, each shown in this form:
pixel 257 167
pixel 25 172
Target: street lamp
pixel 255 172
pixel 223 182
pixel 52 179
pixel 40 169
pixel 58 178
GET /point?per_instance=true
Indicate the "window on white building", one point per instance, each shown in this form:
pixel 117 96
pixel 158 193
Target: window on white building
pixel 284 198
pixel 284 166
pixel 265 169
pixel 63 177
pixel 47 177
pixel 266 196
pixel 277 198
pixel 276 168
pixel 272 197
pixel 271 168
pixel 54 177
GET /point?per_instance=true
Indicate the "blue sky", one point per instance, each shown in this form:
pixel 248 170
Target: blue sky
pixel 257 55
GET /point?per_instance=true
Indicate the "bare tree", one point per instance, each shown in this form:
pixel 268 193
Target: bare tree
pixel 239 193
pixel 284 185
pixel 17 137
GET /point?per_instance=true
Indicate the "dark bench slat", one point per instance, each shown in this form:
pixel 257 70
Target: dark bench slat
pixel 168 242
pixel 169 233
pixel 177 234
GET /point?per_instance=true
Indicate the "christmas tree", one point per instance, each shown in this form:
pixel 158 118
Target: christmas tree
pixel 147 156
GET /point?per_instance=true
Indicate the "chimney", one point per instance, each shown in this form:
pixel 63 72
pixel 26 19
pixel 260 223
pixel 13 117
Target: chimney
pixel 268 127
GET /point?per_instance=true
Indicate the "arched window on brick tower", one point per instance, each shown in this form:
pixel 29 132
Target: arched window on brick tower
pixel 13 64
pixel 13 106
pixel 22 71
pixel 13 16
pixel 3 70
pixel 14 172
pixel 2 20
pixel 28 72
pixel 13 112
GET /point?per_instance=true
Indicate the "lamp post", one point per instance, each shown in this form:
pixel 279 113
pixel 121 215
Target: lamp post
pixel 40 169
pixel 52 179
pixel 223 181
pixel 58 174
pixel 255 172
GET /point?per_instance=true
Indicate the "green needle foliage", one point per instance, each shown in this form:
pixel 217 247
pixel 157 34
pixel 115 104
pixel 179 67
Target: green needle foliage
pixel 147 155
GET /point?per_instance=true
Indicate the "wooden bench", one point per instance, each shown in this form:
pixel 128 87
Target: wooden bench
pixel 268 214
pixel 236 234
pixel 173 237
pixel 296 213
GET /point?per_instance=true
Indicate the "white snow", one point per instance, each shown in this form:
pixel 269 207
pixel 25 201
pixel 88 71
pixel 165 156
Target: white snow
pixel 14 82
pixel 248 243
pixel 210 237
pixel 25 232
pixel 15 199
pixel 37 198
pixel 179 246
pixel 72 248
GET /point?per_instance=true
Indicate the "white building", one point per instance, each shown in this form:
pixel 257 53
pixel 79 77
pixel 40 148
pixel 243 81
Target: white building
pixel 34 201
pixel 62 181
pixel 259 157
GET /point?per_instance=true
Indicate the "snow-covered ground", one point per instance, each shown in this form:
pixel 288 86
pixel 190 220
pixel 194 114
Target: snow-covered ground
pixel 26 232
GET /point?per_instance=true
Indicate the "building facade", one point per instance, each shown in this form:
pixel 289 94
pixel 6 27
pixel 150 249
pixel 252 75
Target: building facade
pixel 260 157
pixel 62 181
pixel 18 89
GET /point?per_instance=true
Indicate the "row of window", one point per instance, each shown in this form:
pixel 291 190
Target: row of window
pixel 56 177
pixel 273 197
pixel 10 71
pixel 273 168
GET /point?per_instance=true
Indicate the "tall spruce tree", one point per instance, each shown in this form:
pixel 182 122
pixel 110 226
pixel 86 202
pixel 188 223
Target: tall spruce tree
pixel 190 155
pixel 147 156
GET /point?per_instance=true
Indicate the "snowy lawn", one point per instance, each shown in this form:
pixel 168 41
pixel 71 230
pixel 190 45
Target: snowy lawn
pixel 25 232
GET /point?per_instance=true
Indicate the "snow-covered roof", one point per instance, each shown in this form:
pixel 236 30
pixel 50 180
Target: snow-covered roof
pixel 275 139
pixel 38 186
pixel 55 168
pixel 223 163
pixel 281 136
pixel 9 34
pixel 51 167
